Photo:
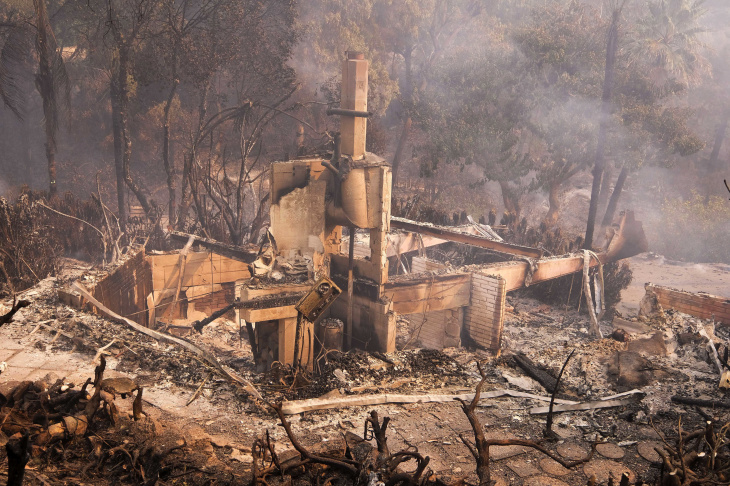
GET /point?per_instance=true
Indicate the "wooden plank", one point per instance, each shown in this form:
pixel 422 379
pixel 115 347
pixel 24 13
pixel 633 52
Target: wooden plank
pixel 270 314
pixel 287 337
pixel 437 292
pixel 514 272
pixel 474 240
pixel 198 269
pixel 300 406
pixel 401 243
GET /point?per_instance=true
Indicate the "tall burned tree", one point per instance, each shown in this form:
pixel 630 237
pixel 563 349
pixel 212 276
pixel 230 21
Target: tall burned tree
pixel 599 164
pixel 126 21
pixel 32 42
pixel 248 45
pixel 665 44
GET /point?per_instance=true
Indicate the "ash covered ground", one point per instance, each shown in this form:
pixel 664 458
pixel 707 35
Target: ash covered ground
pixel 50 341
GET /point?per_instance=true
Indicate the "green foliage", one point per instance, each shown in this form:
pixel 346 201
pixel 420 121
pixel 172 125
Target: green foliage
pixel 667 44
pixel 695 229
pixel 475 111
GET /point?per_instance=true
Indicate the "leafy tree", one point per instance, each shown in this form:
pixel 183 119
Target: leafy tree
pixel 608 79
pixel 476 111
pixel 563 53
pixel 664 58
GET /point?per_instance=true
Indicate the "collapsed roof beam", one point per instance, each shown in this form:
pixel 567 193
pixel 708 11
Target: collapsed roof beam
pixel 455 236
pixel 230 251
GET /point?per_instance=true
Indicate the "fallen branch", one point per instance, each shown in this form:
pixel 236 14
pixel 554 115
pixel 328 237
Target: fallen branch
pixel 346 465
pixel 700 402
pixel 547 380
pixel 4 319
pixel 549 424
pixel 582 406
pixel 199 390
pixel 160 336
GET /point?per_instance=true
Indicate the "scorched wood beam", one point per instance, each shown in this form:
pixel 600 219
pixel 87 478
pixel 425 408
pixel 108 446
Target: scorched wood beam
pixel 474 240
pixel 449 291
pixel 230 251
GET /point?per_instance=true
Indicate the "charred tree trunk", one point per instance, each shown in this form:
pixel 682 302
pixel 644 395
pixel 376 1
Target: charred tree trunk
pixel 51 158
pixel 118 146
pixel 611 48
pixel 398 157
pixel 605 187
pixel 510 199
pixel 615 196
pixel 44 85
pixel 167 158
pixel 187 194
pixel 18 456
pixel 554 201
pixel 120 120
pixel 719 139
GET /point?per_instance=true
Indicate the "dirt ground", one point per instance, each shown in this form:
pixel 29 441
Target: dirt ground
pixel 223 422
pixel 713 278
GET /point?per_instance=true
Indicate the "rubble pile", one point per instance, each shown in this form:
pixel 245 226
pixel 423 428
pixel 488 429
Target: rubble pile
pixel 407 371
pixel 79 435
pixel 658 359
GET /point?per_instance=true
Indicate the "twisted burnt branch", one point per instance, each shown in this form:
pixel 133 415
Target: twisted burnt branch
pixel 480 448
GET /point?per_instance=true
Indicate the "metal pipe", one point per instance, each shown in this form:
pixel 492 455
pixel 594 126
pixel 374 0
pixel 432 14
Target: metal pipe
pixel 350 285
pixel 346 112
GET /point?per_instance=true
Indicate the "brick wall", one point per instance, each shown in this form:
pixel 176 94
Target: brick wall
pixel 704 306
pixel 125 290
pixel 423 264
pixel 439 330
pixel 484 318
pixel 215 301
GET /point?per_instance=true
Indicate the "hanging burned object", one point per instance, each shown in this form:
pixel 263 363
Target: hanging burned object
pixel 318 299
pixel 310 307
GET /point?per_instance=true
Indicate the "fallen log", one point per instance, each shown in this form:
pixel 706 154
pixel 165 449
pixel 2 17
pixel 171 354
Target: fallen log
pixel 547 380
pixel 582 406
pixel 199 325
pixel 699 402
pixel 161 336
pixel 299 406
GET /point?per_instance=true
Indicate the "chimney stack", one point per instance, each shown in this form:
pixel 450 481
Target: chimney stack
pixel 354 96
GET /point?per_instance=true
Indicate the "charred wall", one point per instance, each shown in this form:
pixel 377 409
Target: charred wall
pixel 125 290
